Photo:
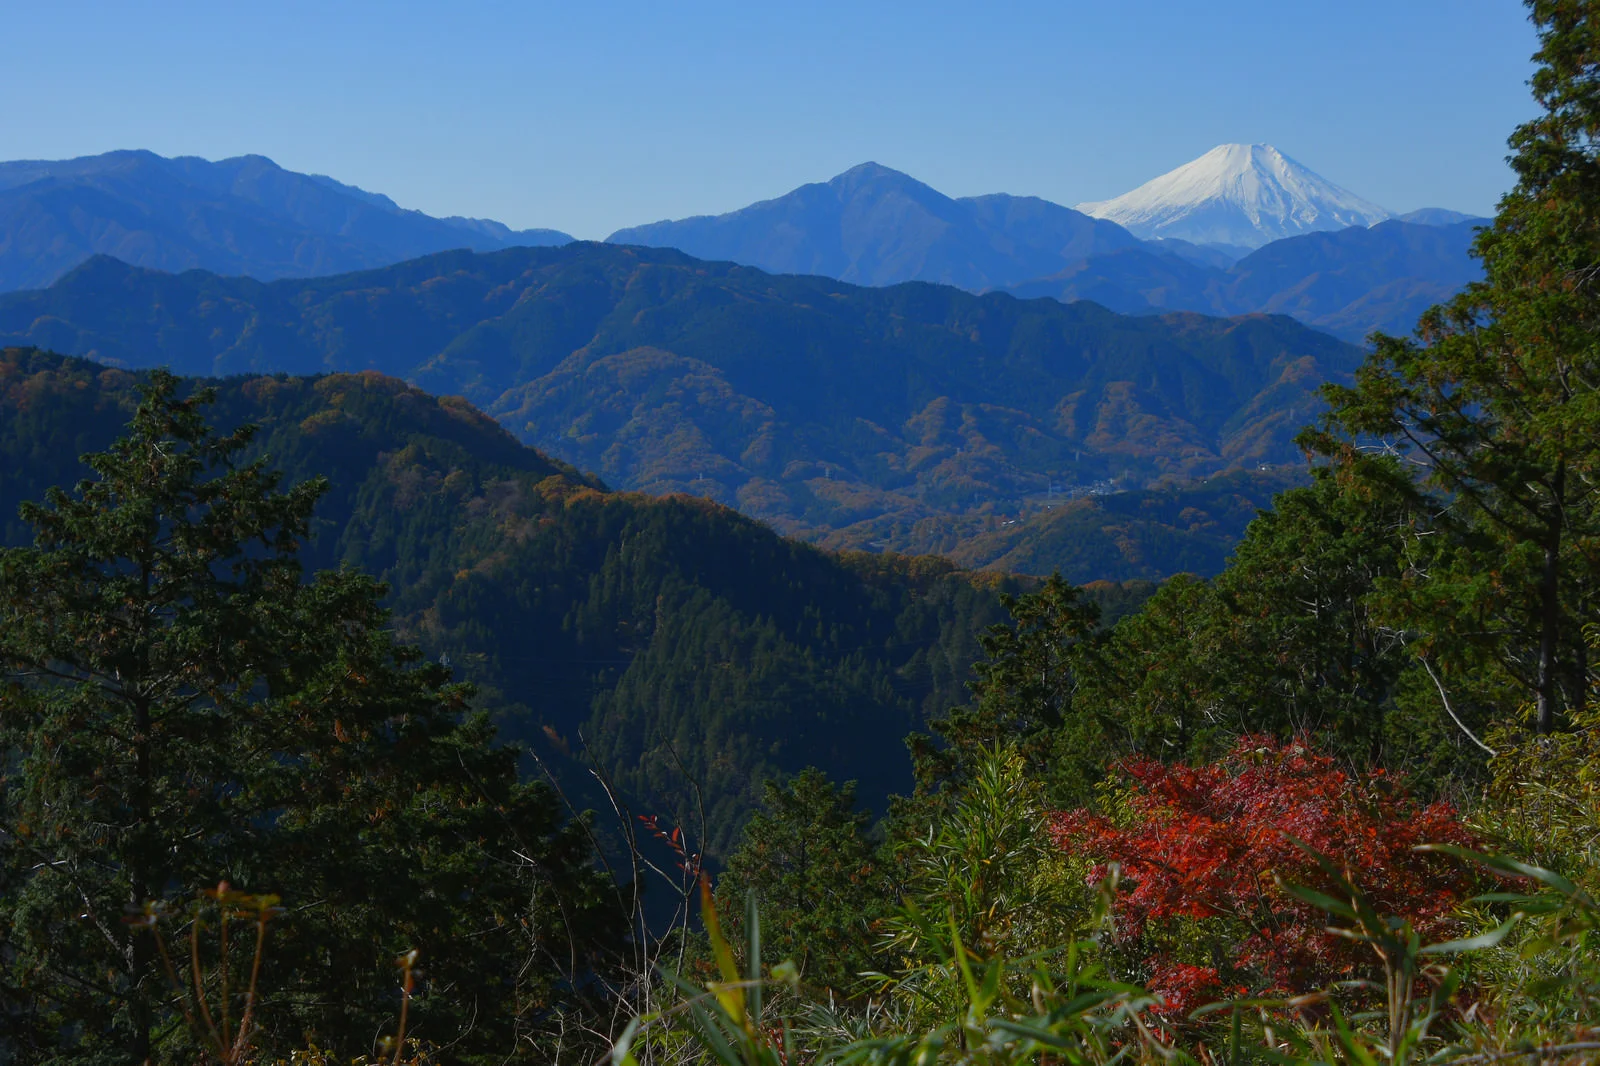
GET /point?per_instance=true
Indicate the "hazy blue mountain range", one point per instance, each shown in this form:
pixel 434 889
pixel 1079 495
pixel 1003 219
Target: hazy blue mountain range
pixel 238 216
pixel 870 226
pixel 868 417
pixel 875 226
pixel 1439 216
pixel 1348 282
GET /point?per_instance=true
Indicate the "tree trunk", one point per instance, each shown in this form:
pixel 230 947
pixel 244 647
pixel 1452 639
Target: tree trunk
pixel 141 878
pixel 1580 674
pixel 1550 610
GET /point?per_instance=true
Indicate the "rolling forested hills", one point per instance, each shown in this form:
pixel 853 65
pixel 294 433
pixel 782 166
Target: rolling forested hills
pixel 871 418
pixel 1149 534
pixel 677 640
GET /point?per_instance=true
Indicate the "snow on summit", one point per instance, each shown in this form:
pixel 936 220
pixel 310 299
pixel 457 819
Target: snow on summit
pixel 1237 194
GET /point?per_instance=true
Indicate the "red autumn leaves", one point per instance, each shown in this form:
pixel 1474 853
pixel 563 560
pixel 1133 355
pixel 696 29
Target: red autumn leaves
pixel 1201 851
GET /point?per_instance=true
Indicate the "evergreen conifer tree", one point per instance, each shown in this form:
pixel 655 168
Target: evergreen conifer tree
pixel 178 707
pixel 818 885
pixel 1496 398
pixel 1024 697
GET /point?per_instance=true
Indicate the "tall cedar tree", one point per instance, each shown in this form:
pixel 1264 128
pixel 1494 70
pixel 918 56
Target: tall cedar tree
pixel 1496 397
pixel 1284 642
pixel 1025 696
pixel 177 706
pixel 817 882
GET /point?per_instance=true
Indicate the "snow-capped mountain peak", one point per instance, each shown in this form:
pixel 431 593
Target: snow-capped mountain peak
pixel 1237 194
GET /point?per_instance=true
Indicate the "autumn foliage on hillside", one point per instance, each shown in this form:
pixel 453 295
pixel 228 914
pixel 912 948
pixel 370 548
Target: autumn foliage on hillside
pixel 1203 852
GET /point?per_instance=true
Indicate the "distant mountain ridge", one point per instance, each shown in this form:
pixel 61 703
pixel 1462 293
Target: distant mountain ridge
pixel 245 215
pixel 870 225
pixel 1245 195
pixel 875 226
pixel 857 417
pixel 1348 282
pixel 1439 216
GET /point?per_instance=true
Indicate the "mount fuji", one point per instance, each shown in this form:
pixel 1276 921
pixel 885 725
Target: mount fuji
pixel 1244 195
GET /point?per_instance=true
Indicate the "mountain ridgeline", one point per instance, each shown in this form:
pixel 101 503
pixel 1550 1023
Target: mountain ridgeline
pixel 236 216
pixel 849 415
pixel 1242 230
pixel 1346 282
pixel 1170 245
pixel 875 226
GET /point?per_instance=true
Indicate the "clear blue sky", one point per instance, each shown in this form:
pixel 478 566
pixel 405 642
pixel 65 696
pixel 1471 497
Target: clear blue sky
pixel 589 116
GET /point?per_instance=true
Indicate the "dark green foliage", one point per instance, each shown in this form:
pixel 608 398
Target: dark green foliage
pixel 180 707
pixel 55 410
pixel 677 642
pixel 1118 599
pixel 817 881
pixel 1293 638
pixel 1282 642
pixel 1496 399
pixel 1296 637
pixel 1159 678
pixel 1024 698
pixel 1309 648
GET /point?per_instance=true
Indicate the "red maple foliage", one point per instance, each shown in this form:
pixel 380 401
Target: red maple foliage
pixel 1209 842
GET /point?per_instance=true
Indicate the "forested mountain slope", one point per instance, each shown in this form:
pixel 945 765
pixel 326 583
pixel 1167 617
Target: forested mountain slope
pixel 1149 534
pixel 849 415
pixel 675 638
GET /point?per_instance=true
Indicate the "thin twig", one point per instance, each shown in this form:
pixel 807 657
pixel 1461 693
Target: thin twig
pixel 172 975
pixel 199 981
pixel 222 934
pixel 1451 711
pixel 406 961
pixel 242 1041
